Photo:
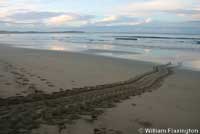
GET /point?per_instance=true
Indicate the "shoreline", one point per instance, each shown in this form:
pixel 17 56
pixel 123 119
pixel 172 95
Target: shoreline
pixel 80 53
pixel 184 66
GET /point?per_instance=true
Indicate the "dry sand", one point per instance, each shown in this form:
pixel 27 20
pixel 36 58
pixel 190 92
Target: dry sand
pixel 45 77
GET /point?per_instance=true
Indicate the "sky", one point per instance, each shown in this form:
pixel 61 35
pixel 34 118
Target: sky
pixel 62 14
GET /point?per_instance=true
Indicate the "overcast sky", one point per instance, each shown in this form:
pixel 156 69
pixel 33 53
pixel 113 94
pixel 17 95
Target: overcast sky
pixel 26 14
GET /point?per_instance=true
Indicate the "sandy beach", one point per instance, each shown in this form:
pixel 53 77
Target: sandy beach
pixel 52 92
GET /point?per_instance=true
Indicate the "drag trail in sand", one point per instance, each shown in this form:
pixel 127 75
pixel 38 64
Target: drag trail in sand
pixel 23 113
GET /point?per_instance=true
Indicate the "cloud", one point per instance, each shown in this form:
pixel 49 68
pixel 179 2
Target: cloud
pixel 10 7
pixel 60 20
pixel 3 14
pixel 69 19
pixel 185 11
pixel 108 19
pixel 153 5
pixel 7 22
pixel 151 8
pixel 2 1
pixel 121 20
pixel 32 15
pixel 24 17
pixel 44 18
pixel 190 14
pixel 132 12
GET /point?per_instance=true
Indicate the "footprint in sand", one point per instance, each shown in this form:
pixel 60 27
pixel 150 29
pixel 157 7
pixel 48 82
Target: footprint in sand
pixel 51 85
pixel 8 83
pixel 26 80
pixel 145 124
pixel 32 75
pixel 61 89
pixel 18 94
pixel 24 84
pixel 42 79
pixel 32 87
pixel 20 78
pixel 106 131
pixel 133 104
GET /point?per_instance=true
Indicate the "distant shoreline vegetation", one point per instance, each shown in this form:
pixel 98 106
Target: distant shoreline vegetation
pixel 38 32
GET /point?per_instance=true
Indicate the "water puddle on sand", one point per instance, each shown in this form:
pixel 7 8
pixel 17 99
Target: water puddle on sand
pixel 194 65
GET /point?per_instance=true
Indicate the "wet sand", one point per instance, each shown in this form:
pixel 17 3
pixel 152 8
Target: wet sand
pixel 61 92
pixel 53 70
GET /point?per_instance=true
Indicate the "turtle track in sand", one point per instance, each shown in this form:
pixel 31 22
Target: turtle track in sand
pixel 21 114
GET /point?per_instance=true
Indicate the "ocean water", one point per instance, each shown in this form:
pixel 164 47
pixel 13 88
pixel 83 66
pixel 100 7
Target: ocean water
pixel 161 48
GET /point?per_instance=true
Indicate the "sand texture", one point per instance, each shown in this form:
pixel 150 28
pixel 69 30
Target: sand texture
pixel 24 113
pixel 48 92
